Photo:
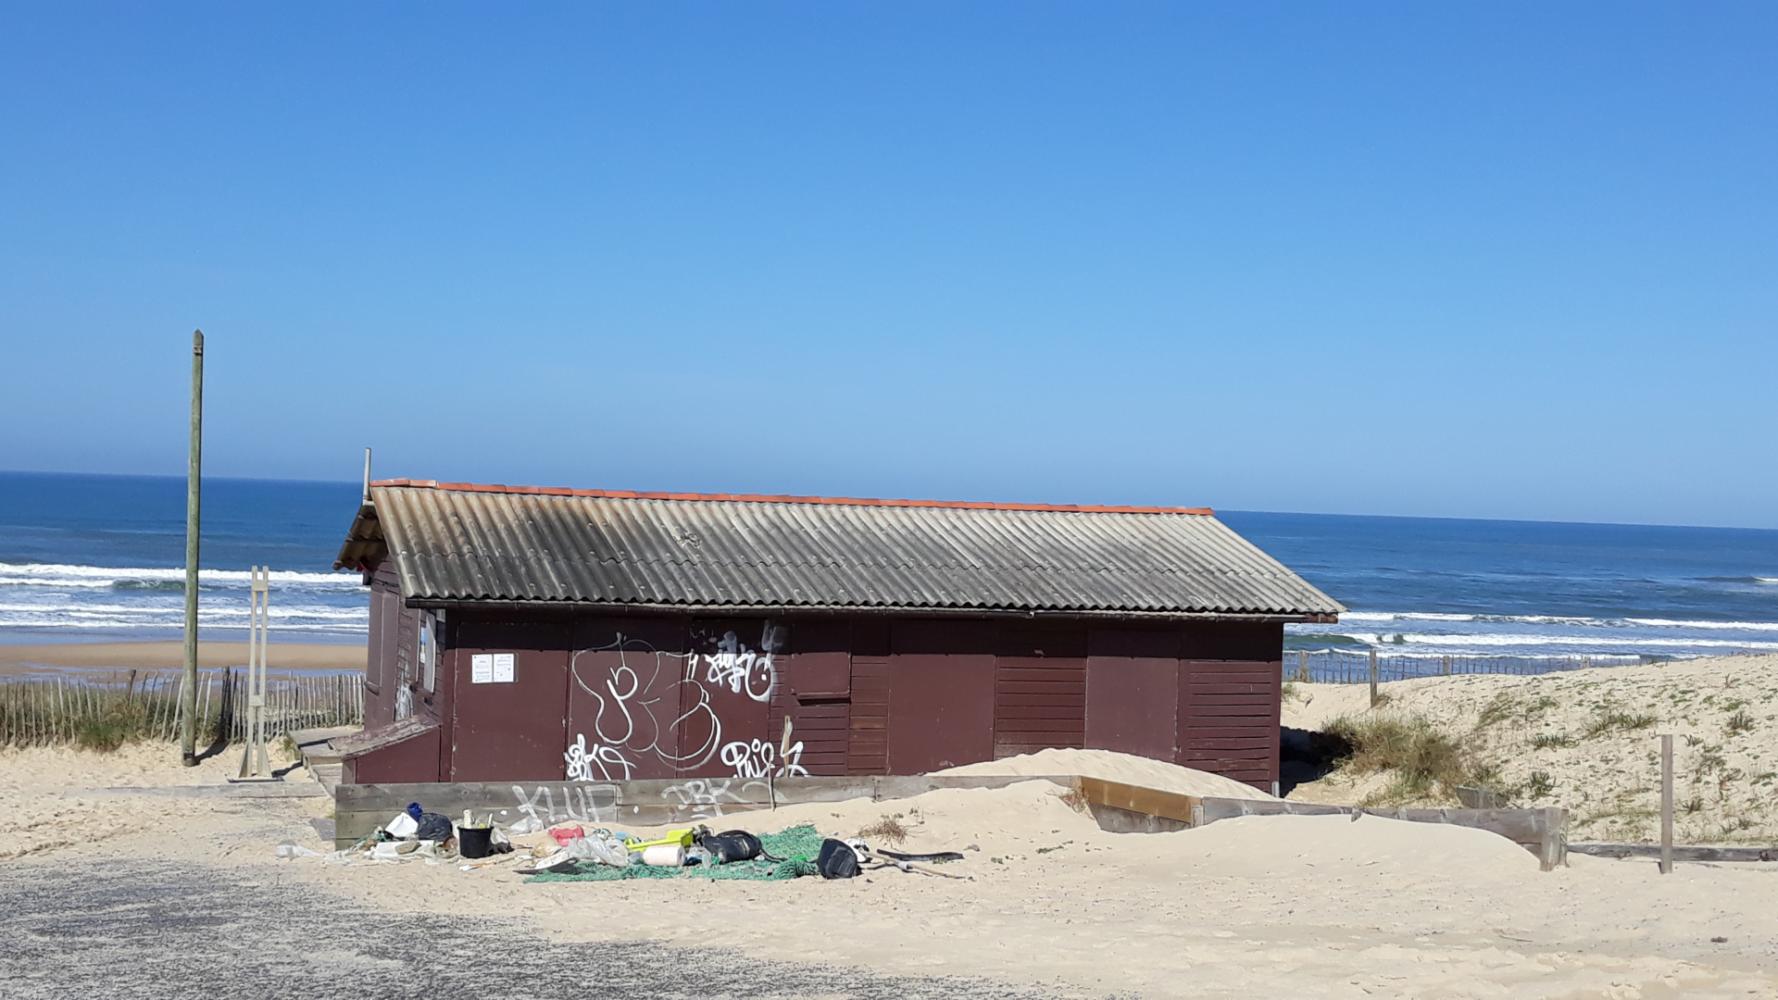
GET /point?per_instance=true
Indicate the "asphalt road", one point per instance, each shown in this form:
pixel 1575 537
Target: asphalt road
pixel 126 929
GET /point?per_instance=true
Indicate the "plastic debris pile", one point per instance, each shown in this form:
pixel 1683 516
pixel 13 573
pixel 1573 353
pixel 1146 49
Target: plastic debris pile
pixel 572 853
pixel 792 852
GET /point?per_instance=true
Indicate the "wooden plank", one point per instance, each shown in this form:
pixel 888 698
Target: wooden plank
pixel 803 725
pixel 1054 682
pixel 1033 742
pixel 1038 737
pixel 1041 712
pixel 1240 739
pixel 1261 678
pixel 1269 690
pixel 1692 853
pixel 1260 699
pixel 1068 672
pixel 1026 743
pixel 1541 831
pixel 1029 698
pixel 1135 798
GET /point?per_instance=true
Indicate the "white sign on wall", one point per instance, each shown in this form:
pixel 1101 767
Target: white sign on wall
pixel 491 668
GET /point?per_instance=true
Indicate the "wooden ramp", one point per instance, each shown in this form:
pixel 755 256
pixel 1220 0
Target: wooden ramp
pixel 319 758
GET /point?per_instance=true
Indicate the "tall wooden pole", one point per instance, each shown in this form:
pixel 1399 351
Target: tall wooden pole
pixel 1666 803
pixel 188 731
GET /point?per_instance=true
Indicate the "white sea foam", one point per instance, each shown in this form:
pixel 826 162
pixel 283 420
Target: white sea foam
pixel 51 575
pixel 1405 616
pixel 123 625
pixel 1727 626
pixel 1388 617
pixel 1510 639
pixel 58 596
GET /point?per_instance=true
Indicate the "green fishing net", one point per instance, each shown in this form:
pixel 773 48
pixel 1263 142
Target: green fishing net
pixel 798 846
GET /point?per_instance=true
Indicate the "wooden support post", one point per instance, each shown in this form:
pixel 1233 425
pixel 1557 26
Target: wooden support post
pixel 1445 665
pixel 255 764
pixel 188 733
pixel 1373 678
pixel 1666 803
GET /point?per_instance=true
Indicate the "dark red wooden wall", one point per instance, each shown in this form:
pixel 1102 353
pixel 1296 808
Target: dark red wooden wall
pixel 631 697
pixel 390 658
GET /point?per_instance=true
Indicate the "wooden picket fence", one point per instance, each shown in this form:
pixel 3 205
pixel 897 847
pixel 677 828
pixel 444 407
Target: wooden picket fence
pixel 1336 666
pixel 105 710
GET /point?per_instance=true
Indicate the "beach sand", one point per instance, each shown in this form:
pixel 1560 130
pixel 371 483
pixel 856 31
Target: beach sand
pixel 168 654
pixel 1307 906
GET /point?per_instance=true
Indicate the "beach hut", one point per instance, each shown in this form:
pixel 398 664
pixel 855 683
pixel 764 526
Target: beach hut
pixel 525 633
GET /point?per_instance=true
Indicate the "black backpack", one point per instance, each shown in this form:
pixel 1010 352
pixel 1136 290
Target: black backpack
pixel 732 845
pixel 837 859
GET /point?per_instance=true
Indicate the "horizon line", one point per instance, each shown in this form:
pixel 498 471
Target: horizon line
pixel 1219 511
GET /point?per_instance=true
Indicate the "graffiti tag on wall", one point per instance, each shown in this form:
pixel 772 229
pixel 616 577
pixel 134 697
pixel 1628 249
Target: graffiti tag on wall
pixel 598 802
pixel 677 725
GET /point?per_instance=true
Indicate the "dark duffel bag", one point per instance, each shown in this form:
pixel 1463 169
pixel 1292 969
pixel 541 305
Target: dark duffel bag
pixel 733 845
pixel 837 859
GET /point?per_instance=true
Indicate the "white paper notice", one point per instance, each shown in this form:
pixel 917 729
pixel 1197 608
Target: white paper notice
pixel 481 669
pixel 503 668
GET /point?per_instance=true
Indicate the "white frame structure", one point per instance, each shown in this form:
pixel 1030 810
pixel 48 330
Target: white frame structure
pixel 256 764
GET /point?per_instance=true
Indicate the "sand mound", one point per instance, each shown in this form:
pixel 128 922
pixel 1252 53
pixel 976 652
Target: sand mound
pixel 942 818
pixel 1109 765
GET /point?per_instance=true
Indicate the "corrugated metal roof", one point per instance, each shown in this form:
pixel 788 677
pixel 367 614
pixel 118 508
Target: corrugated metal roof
pixel 459 542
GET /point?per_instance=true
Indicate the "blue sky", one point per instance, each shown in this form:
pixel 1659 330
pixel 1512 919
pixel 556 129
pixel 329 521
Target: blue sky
pixel 1498 261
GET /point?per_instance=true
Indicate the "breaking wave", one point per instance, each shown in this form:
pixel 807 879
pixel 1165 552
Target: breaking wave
pixel 1431 633
pixel 60 575
pixel 51 597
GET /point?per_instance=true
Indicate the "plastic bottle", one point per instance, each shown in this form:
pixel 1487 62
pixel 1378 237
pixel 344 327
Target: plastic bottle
pixel 664 856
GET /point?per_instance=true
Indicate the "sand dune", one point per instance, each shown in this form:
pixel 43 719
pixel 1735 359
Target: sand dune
pixel 1589 740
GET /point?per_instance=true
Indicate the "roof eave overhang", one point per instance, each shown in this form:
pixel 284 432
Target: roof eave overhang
pixel 364 546
pixel 584 607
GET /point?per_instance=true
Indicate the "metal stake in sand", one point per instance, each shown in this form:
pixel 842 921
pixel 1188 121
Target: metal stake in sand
pixel 255 766
pixel 1666 803
pixel 188 730
pixel 777 765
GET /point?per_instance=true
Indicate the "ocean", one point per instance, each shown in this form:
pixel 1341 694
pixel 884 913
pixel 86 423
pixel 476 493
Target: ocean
pixel 99 557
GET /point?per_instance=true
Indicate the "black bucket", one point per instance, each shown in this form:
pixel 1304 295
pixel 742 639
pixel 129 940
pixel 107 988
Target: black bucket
pixel 475 841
